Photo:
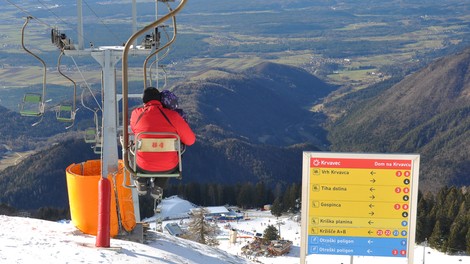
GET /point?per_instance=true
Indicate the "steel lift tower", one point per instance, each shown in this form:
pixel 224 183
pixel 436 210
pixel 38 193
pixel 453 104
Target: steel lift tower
pixel 108 57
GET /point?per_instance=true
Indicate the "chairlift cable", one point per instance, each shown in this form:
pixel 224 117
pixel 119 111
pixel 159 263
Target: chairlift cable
pixel 28 13
pixel 160 49
pixel 59 18
pixel 39 20
pixel 101 21
pixel 86 83
pixel 166 76
pixel 48 9
pixel 159 58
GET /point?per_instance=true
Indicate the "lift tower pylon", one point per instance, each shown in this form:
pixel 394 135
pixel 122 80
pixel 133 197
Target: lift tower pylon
pixel 108 57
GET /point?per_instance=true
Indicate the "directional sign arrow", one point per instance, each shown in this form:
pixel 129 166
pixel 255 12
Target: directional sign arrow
pixel 372 180
pixel 372 173
pixel 370 232
pixel 370 242
pixel 369 251
pixel 370 222
pixel 371 213
pixel 371 206
pixel 372 197
pixel 372 189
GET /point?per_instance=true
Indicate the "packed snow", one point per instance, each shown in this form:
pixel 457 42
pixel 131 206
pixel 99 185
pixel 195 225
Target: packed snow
pixel 27 240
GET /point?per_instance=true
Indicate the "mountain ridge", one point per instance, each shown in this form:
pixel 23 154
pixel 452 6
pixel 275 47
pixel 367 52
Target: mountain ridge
pixel 427 112
pixel 279 102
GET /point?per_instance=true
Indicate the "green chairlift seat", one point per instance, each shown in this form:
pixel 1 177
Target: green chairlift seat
pixel 32 105
pixel 98 148
pixel 90 135
pixel 65 113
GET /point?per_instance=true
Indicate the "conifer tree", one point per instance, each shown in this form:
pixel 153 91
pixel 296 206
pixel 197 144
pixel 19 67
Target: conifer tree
pixel 229 194
pixel 246 196
pixel 212 195
pixel 276 208
pixel 270 233
pixel 260 194
pixel 192 192
pixel 200 230
pixel 452 203
pixel 290 196
pixel 221 198
pixel 425 221
pixel 456 241
pixel 467 238
pixel 437 240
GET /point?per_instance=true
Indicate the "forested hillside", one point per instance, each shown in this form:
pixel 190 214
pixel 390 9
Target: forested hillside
pixel 17 133
pixel 427 113
pixel 39 180
pixel 444 220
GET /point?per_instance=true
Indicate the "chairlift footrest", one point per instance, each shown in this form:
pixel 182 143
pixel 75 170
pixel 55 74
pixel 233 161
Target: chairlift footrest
pixel 158 175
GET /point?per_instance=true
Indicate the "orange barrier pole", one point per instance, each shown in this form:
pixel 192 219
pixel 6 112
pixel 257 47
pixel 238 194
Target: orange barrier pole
pixel 104 208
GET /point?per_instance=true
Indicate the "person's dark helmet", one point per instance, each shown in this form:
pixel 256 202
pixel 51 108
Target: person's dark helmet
pixel 151 93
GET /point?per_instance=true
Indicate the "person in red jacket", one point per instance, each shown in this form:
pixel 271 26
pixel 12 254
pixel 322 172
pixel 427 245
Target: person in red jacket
pixel 154 117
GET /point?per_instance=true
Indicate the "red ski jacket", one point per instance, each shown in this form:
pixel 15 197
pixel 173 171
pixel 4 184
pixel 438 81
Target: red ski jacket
pixel 149 118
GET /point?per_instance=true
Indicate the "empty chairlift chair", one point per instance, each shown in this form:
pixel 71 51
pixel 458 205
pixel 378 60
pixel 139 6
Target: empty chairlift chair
pixel 90 135
pixel 32 105
pixel 65 113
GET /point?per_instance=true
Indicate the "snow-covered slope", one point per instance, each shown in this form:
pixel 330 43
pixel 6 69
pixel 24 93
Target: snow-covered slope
pixel 26 240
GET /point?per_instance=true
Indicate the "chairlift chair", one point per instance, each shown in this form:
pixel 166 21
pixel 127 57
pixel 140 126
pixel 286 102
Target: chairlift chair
pixel 32 105
pixel 97 148
pixel 157 142
pixel 65 113
pixel 146 144
pixel 90 135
